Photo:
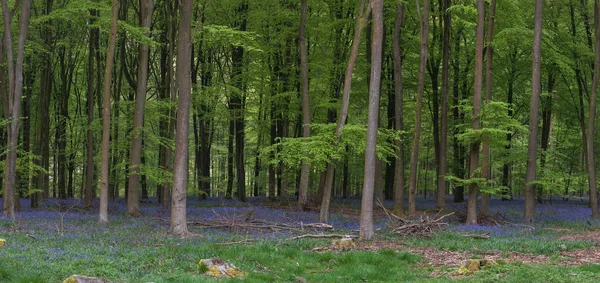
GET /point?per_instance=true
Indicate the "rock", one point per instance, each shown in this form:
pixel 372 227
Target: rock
pixel 343 243
pixel 84 279
pixel 2 242
pixel 473 265
pixel 218 268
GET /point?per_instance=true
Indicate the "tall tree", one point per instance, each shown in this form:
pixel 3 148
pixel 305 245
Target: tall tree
pixel 103 215
pixel 532 145
pixel 343 114
pixel 15 95
pixel 180 169
pixel 476 122
pixel 133 200
pixel 398 107
pixel 592 116
pixel 443 160
pixel 366 211
pixel 305 170
pixel 414 157
pixel 485 152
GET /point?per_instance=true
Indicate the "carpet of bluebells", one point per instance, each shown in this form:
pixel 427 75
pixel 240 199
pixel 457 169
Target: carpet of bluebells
pixel 63 236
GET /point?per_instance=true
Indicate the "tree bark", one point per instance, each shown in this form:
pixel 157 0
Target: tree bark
pixel 15 95
pixel 476 122
pixel 366 211
pixel 398 109
pixel 443 160
pixel 343 114
pixel 180 169
pixel 530 175
pixel 489 51
pixel 133 199
pixel 103 215
pixel 305 169
pixel 592 116
pixel 414 157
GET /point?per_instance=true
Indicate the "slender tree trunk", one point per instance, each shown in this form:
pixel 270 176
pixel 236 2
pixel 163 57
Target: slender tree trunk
pixel 546 128
pixel 343 114
pixel 485 161
pixel 305 169
pixel 443 163
pixel 476 122
pixel 414 157
pixel 103 217
pixel 592 116
pixel 180 169
pixel 15 95
pixel 398 109
pixel 133 201
pixel 507 194
pixel 534 117
pixel 458 148
pixel 366 211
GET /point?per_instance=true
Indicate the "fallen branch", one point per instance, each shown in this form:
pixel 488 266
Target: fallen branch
pixel 484 236
pixel 323 236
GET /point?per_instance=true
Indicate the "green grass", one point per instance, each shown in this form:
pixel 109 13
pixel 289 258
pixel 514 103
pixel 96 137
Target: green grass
pixel 139 250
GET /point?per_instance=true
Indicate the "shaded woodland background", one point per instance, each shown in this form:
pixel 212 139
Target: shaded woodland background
pixel 266 82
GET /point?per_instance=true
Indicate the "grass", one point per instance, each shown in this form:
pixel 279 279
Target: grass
pixel 49 245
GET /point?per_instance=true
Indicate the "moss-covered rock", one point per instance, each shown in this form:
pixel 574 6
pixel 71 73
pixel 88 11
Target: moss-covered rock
pixel 343 243
pixel 2 242
pixel 84 279
pixel 218 268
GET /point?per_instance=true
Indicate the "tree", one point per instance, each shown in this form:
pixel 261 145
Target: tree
pixel 366 211
pixel 591 167
pixel 343 114
pixel 489 49
pixel 414 157
pixel 15 95
pixel 534 116
pixel 305 170
pixel 103 217
pixel 180 168
pixel 398 109
pixel 476 121
pixel 443 161
pixel 133 205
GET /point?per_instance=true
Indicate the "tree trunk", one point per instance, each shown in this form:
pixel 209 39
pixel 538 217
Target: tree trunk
pixel 489 51
pixel 546 129
pixel 366 211
pixel 343 114
pixel 103 215
pixel 592 115
pixel 305 169
pixel 15 95
pixel 414 157
pixel 133 201
pixel 458 150
pixel 534 117
pixel 398 109
pixel 443 163
pixel 180 169
pixel 476 122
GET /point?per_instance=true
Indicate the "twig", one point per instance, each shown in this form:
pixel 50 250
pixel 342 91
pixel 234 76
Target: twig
pixel 484 236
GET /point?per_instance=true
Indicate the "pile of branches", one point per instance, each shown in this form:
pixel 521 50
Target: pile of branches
pixel 424 226
pixel 495 219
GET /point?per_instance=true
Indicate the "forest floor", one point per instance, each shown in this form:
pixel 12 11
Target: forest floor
pixel 270 242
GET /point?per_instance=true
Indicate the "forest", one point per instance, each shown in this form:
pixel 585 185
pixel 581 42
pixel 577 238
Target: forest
pixel 444 119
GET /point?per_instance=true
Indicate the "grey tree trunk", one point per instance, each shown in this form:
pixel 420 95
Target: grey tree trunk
pixel 398 107
pixel 366 211
pixel 103 215
pixel 15 95
pixel 414 157
pixel 532 146
pixel 180 168
pixel 133 197
pixel 476 122
pixel 305 169
pixel 592 116
pixel 443 160
pixel 343 114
